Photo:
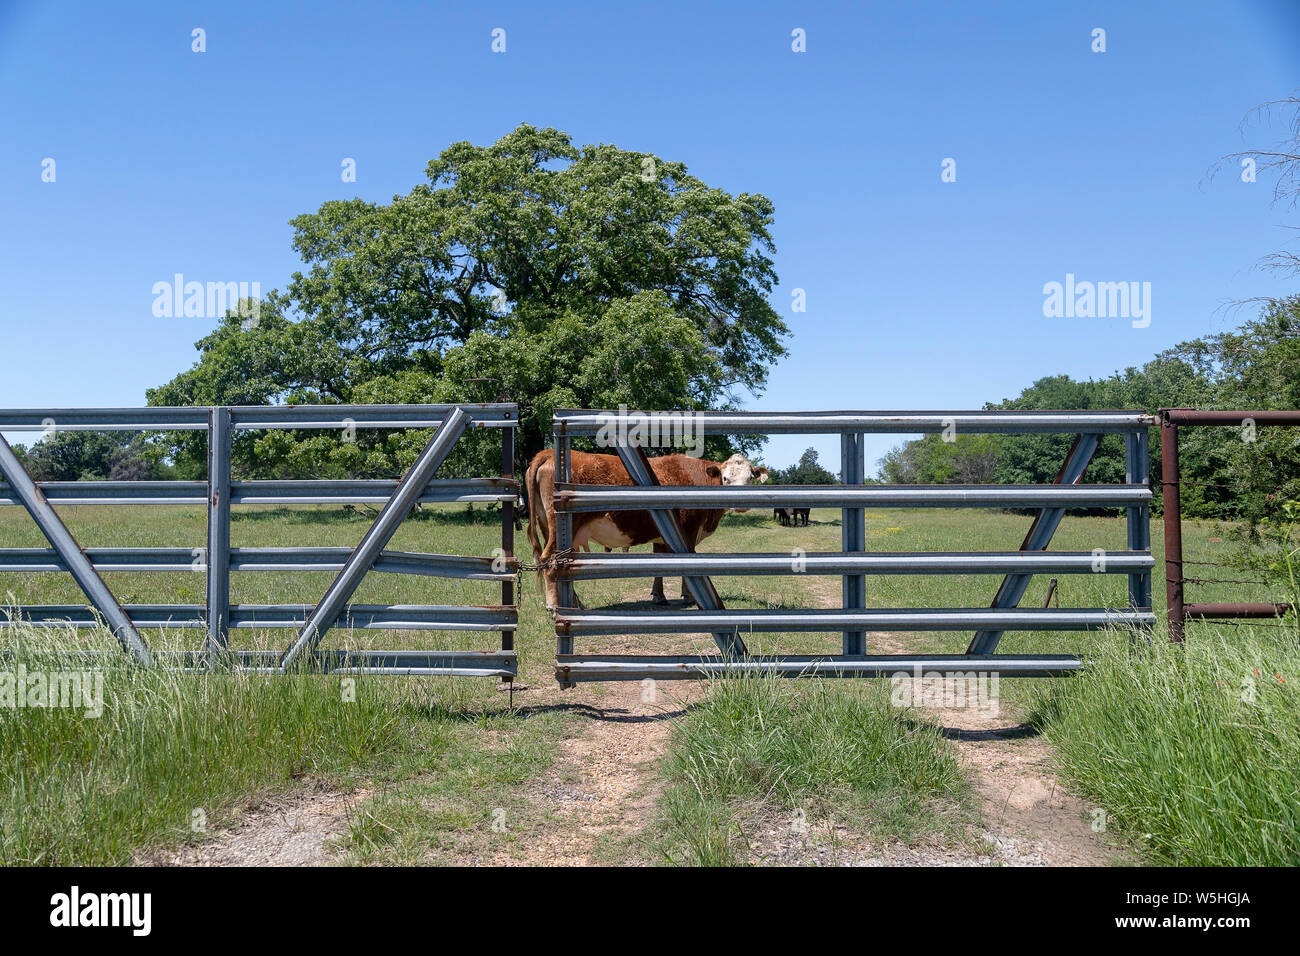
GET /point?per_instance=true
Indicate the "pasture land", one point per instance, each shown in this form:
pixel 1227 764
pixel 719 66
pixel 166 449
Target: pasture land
pixel 247 768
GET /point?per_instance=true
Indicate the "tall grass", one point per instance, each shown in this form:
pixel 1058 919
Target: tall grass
pixel 80 789
pixel 1193 750
pixel 761 747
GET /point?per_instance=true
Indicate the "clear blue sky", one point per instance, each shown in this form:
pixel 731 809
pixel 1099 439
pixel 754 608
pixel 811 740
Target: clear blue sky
pixel 920 294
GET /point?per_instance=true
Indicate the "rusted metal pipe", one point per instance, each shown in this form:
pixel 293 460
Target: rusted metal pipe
pixel 1169 478
pixel 1205 611
pixel 1192 416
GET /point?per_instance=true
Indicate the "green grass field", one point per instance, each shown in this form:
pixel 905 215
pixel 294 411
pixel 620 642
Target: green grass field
pixel 442 754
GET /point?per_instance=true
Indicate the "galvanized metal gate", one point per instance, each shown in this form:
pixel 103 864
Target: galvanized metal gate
pixel 218 559
pixel 852 563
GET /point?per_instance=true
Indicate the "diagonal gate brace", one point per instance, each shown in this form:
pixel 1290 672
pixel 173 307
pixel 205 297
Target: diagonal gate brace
pixel 381 532
pixel 83 572
pixel 701 588
pixel 1039 537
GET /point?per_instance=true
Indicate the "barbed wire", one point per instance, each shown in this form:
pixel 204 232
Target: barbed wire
pixel 1230 623
pixel 1225 580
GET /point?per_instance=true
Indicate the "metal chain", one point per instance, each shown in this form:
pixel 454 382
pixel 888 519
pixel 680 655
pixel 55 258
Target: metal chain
pixel 555 560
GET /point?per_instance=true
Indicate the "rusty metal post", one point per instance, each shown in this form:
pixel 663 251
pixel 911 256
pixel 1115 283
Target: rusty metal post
pixel 1172 504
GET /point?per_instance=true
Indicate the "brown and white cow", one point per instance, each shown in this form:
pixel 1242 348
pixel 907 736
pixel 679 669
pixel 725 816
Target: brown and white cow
pixel 624 529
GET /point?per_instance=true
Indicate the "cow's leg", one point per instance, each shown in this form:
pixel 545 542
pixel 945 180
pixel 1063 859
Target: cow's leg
pixel 657 589
pixel 549 574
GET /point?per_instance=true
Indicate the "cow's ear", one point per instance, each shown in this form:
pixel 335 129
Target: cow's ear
pixel 761 474
pixel 714 473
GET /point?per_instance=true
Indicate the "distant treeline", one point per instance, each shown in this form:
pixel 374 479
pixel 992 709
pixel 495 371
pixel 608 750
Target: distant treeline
pixel 94 456
pixel 1226 472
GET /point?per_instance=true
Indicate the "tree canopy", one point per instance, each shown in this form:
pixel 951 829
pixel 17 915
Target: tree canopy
pixel 531 270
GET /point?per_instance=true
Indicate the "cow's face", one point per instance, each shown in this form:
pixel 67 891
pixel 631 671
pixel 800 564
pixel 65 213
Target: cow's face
pixel 739 470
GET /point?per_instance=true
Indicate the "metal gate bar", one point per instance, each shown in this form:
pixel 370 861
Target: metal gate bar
pixel 1038 537
pixel 217 553
pixel 1137 460
pixel 395 617
pixel 630 667
pixel 500 664
pixel 633 565
pixel 56 532
pixel 574 621
pixel 701 588
pixel 853 533
pixel 274 492
pixel 464 567
pixel 217 560
pixel 853 563
pixel 575 498
pixel 379 534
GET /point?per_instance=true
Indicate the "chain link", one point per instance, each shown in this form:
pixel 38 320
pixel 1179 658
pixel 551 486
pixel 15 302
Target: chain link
pixel 554 561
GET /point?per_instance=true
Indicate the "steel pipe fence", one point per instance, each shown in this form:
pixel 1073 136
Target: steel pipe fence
pixel 255 417
pixel 268 492
pixel 580 498
pixel 1180 612
pixel 392 663
pixel 690 667
pixel 217 560
pixel 257 559
pixel 625 431
pixel 578 422
pixel 406 617
pixel 836 563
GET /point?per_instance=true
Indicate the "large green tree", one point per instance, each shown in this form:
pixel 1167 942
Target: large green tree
pixel 531 270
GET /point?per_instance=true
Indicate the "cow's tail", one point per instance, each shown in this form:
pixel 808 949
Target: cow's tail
pixel 536 509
